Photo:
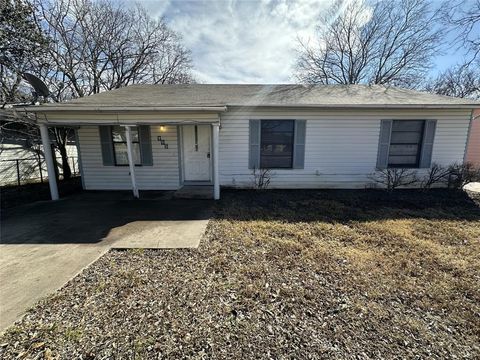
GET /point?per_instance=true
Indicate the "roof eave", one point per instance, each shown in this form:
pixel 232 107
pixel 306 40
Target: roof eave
pixel 116 109
pixel 366 106
pixel 219 109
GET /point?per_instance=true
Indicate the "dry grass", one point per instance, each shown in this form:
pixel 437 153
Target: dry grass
pixel 322 274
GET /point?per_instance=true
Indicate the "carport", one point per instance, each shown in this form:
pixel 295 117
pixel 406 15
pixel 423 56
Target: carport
pixel 45 244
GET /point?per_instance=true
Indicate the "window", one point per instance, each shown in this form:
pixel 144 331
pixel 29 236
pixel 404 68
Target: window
pixel 119 140
pixel 276 144
pixel 406 143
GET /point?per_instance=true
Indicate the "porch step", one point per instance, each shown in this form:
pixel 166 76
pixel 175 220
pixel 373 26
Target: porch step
pixel 194 192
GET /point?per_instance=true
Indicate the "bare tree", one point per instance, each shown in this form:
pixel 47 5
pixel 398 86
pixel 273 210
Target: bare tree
pixel 464 18
pixel 385 42
pixel 460 81
pixel 103 45
pixel 78 48
pixel 20 40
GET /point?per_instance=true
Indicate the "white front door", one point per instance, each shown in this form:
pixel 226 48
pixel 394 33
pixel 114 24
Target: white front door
pixel 196 153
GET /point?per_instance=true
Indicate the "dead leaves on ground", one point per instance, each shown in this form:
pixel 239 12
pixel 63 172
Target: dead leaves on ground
pixel 280 275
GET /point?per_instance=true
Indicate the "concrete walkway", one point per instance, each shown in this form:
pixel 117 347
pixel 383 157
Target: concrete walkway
pixel 44 245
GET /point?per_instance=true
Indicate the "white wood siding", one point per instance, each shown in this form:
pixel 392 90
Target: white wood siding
pixel 341 149
pixel 163 175
pixel 341 145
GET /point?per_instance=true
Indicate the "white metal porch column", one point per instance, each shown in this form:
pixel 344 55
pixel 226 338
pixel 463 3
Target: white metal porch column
pixel 131 161
pixel 47 151
pixel 215 143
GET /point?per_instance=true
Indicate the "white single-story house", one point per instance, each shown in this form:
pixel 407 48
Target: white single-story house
pixel 164 137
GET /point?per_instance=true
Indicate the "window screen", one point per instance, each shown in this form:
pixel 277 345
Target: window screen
pixel 119 140
pixel 406 143
pixel 276 150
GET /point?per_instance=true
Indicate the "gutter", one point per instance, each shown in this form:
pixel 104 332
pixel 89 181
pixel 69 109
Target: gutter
pixel 364 106
pixel 218 109
pixel 115 109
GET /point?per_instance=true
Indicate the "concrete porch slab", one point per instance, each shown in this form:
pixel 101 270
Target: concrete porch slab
pixel 158 234
pixel 194 192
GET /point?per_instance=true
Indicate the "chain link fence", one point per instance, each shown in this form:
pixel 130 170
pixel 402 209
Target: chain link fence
pixel 28 170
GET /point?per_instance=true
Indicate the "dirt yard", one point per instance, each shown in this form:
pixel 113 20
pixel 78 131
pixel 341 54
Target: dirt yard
pixel 280 275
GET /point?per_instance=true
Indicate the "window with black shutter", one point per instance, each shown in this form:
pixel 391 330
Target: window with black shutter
pixel 406 143
pixel 276 144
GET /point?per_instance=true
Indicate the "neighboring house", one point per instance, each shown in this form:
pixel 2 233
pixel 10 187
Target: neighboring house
pixel 31 165
pixel 473 148
pixel 331 136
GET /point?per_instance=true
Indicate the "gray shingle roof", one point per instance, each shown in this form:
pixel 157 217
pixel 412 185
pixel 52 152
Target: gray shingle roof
pixel 202 95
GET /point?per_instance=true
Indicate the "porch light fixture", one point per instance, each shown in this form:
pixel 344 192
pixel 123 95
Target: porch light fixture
pixel 163 128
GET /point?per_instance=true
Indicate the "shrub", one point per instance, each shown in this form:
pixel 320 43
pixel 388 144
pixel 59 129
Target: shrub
pixel 460 175
pixel 261 178
pixel 437 174
pixel 394 178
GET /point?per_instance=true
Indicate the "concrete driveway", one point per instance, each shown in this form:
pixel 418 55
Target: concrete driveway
pixel 45 244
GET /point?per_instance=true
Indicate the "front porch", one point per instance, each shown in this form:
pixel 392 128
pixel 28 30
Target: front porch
pixel 158 151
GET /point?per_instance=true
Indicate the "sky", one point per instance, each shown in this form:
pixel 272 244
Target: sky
pixel 247 41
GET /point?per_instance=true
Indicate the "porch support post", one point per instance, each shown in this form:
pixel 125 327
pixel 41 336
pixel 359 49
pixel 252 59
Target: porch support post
pixel 47 151
pixel 131 161
pixel 216 181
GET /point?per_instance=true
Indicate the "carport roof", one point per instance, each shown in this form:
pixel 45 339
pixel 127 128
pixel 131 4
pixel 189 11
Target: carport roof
pixel 215 97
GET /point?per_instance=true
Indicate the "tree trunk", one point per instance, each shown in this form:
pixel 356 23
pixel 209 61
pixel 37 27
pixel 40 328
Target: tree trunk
pixel 67 172
pixel 61 140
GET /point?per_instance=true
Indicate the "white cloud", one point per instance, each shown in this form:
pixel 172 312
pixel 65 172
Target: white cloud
pixel 241 41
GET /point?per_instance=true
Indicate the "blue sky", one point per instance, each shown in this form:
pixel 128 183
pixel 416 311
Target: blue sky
pixel 250 41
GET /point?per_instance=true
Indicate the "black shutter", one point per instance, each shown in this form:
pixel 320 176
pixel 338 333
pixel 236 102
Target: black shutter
pixel 299 144
pixel 106 145
pixel 384 144
pixel 427 143
pixel 145 145
pixel 254 144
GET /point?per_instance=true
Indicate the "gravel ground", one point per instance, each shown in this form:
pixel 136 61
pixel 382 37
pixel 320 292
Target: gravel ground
pixel 281 275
